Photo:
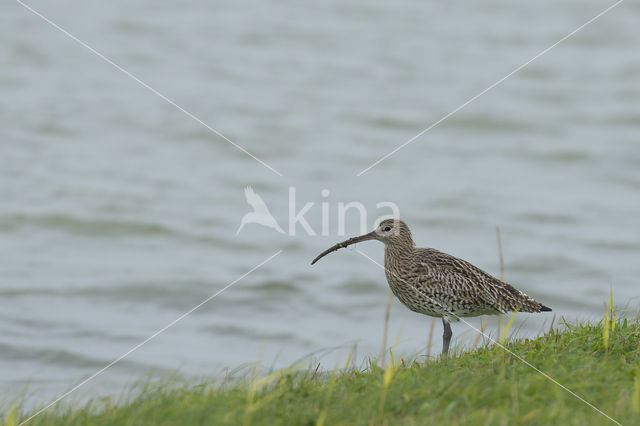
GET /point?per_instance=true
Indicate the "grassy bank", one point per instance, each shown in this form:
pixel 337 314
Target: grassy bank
pixel 598 362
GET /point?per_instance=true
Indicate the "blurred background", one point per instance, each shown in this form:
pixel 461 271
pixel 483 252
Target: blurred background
pixel 118 212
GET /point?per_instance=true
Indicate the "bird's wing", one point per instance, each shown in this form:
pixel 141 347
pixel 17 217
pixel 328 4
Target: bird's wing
pixel 452 278
pixel 255 200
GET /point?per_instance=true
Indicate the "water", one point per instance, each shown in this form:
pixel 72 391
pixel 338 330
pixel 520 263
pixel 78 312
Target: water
pixel 119 212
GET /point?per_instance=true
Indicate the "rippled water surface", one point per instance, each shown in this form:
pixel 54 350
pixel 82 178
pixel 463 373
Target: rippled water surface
pixel 119 212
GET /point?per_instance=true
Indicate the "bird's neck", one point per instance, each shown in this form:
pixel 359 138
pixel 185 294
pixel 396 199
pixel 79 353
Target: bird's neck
pixel 398 252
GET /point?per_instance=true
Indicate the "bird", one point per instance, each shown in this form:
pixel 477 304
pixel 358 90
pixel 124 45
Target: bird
pixel 260 214
pixel 437 284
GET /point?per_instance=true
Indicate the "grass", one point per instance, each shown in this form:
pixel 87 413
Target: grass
pixel 487 386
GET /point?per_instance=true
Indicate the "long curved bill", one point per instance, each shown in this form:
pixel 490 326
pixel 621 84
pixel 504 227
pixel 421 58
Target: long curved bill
pixel 365 237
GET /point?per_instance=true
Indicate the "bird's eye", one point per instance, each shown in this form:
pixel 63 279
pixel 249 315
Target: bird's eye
pixel 387 229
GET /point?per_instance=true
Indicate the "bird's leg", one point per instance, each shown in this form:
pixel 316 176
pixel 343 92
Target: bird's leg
pixel 446 337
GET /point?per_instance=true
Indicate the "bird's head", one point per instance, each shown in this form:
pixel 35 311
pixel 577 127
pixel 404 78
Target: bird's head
pixel 393 231
pixel 390 232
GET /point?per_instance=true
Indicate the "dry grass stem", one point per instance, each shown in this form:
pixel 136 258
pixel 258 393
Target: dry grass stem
pixel 500 253
pixel 501 270
pixel 386 328
pixel 430 339
pixel 483 326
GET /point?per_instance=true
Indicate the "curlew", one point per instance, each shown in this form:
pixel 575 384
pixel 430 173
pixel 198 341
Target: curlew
pixel 437 284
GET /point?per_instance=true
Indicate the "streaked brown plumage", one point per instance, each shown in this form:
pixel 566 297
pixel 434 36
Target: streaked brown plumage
pixel 437 284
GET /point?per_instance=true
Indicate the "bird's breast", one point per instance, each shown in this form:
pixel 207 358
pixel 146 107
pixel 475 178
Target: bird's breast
pixel 407 287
